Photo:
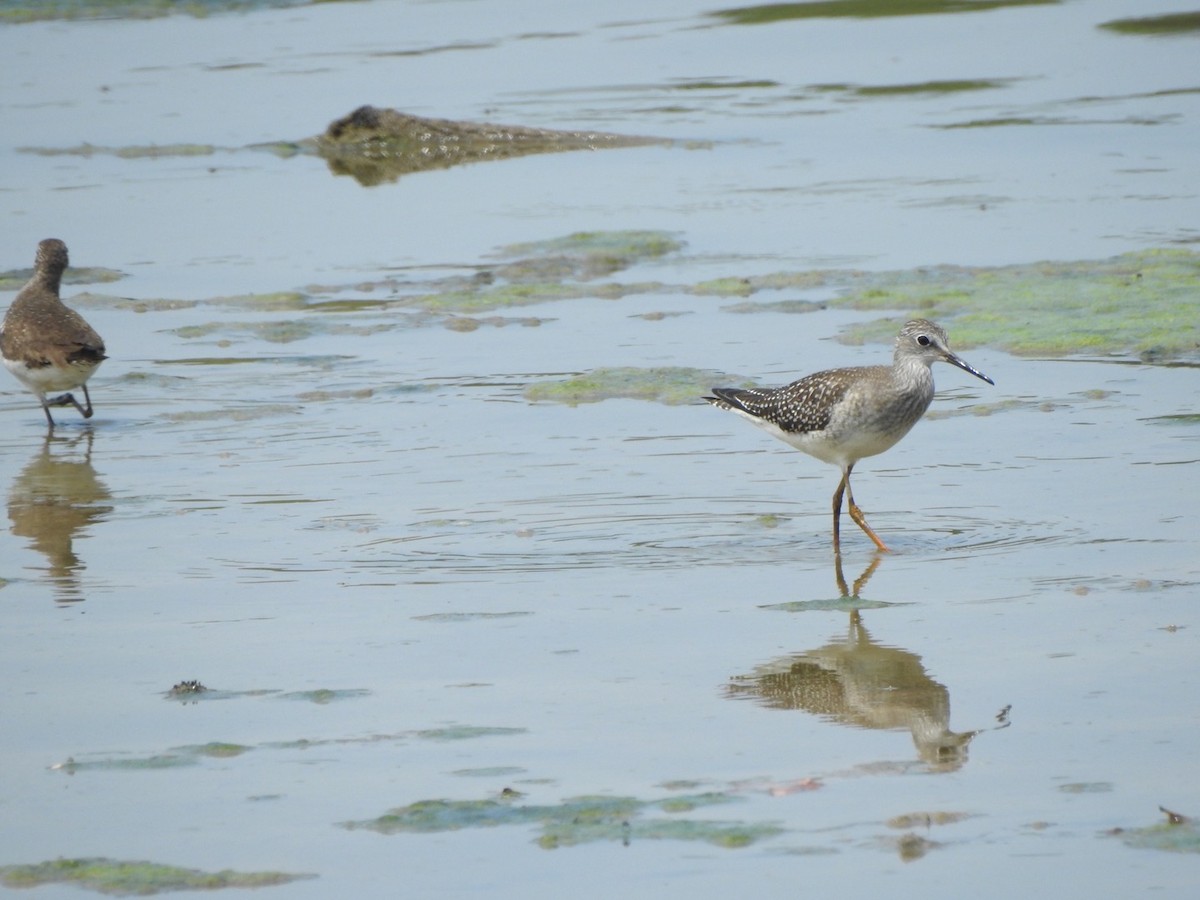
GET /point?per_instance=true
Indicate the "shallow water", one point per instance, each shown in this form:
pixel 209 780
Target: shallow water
pixel 403 581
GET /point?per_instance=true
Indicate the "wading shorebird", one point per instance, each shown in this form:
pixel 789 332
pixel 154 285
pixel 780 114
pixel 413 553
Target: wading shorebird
pixel 46 344
pixel 843 415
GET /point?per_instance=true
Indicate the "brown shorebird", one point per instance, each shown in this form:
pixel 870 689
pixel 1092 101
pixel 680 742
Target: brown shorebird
pixel 46 344
pixel 843 415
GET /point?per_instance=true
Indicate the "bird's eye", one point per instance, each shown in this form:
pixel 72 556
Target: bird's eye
pixel 923 340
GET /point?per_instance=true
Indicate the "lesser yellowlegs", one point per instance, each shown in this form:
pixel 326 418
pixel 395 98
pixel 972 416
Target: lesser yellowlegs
pixel 46 344
pixel 843 415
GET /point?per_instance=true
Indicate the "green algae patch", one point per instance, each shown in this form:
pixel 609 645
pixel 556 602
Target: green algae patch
pixel 15 279
pixel 273 332
pixel 325 696
pixel 1178 834
pixel 916 88
pixel 502 296
pixel 927 819
pixel 731 836
pixel 121 878
pixel 195 754
pixel 280 331
pixel 174 758
pixel 466 732
pixel 587 254
pixel 430 816
pixel 954 86
pixel 670 385
pixel 733 286
pixel 564 268
pixel 708 84
pixel 1086 787
pixel 88 300
pixel 128 764
pixel 220 360
pixel 241 414
pixel 862 9
pixel 490 772
pixel 1156 26
pixel 214 750
pixel 47 10
pixel 911 847
pixel 1138 304
pixel 778 306
pixel 376 146
pixel 1141 303
pixel 450 733
pixel 575 821
pixel 273 301
pixel 1007 121
pixel 986 409
pixel 145 151
pixel 465 324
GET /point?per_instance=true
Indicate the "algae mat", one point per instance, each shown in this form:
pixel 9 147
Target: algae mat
pixel 579 820
pixel 123 878
pixel 1140 304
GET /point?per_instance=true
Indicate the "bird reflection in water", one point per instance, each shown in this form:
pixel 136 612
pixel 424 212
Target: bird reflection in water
pixel 855 681
pixel 52 500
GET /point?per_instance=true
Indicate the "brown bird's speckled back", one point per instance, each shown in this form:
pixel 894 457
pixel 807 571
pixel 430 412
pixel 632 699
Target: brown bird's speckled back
pixel 46 344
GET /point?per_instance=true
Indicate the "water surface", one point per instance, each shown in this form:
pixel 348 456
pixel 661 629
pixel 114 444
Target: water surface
pixel 438 619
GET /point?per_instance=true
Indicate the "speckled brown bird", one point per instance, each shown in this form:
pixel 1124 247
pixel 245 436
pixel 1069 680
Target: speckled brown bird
pixel 843 415
pixel 46 344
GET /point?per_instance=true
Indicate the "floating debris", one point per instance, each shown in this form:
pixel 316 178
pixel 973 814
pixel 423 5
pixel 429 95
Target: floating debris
pixel 186 687
pixel 376 146
pixel 1178 834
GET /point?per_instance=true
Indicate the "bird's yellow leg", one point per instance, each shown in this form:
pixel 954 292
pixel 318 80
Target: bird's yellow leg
pixel 857 515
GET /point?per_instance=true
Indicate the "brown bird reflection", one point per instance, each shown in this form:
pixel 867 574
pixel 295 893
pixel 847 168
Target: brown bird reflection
pixel 53 498
pixel 855 681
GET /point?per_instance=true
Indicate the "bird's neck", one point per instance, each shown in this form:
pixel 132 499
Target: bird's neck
pixel 49 279
pixel 908 371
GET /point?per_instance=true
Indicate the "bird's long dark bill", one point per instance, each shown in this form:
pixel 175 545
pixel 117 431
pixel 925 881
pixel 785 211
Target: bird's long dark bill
pixel 955 361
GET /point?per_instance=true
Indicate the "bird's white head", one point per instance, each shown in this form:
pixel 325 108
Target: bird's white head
pixel 925 342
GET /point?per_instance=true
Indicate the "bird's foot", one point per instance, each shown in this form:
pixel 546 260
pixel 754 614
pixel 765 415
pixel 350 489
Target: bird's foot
pixel 69 400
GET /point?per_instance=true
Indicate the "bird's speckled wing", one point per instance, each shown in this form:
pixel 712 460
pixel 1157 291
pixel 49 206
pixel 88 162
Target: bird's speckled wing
pixel 800 407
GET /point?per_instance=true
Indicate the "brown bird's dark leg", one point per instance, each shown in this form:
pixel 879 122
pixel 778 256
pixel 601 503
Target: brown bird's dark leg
pixel 857 514
pixel 837 512
pixel 46 410
pixel 69 400
pixel 86 412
